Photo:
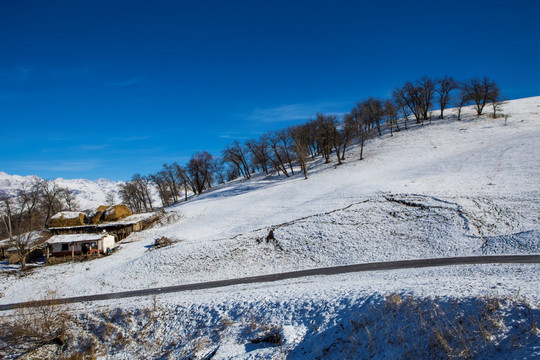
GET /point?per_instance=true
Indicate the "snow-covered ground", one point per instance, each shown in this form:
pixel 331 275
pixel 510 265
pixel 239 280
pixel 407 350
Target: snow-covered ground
pixel 443 189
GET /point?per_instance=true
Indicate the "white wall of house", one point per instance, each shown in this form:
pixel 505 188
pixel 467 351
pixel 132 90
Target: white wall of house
pixel 108 242
pixel 65 247
pixel 101 244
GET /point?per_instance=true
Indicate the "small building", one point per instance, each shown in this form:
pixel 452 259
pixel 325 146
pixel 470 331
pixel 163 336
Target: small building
pixel 80 244
pixel 33 241
pixel 119 229
pixel 4 246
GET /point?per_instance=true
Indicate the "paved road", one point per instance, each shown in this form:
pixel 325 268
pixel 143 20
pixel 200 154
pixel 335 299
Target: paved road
pixel 390 265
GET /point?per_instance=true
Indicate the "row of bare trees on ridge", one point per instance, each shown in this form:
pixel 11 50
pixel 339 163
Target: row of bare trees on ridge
pixel 282 152
pixel 326 136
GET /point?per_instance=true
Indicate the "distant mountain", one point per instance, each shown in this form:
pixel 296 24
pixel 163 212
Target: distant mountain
pixel 89 194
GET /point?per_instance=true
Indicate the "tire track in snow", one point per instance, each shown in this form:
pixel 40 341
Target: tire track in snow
pixel 292 222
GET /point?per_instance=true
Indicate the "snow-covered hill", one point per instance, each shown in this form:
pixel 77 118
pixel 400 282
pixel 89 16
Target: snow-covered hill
pixel 436 190
pixel 89 194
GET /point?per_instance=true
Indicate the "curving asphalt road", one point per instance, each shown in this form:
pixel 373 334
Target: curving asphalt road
pixel 376 266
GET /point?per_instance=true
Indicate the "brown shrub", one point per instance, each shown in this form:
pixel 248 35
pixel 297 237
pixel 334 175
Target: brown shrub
pixel 29 328
pixel 162 242
pixel 55 260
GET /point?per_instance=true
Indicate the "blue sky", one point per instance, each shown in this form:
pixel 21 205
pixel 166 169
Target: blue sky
pixel 93 89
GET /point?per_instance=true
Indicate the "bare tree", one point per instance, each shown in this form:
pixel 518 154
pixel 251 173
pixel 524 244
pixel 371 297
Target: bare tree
pixel 300 137
pixel 312 138
pixel 29 198
pixel 231 173
pixel 278 156
pixel 217 167
pixel 259 153
pixel 22 244
pixel 461 100
pixel 110 199
pixel 358 119
pixel 372 113
pixel 143 184
pixel 182 176
pixel 199 170
pixel 237 155
pixel 172 181
pixel 427 90
pixel 339 139
pixel 285 145
pixel 445 86
pixel 346 134
pixel 129 194
pixel 497 104
pixel 50 197
pixel 390 111
pixel 481 92
pixel 325 133
pixel 69 199
pixel 402 107
pixel 6 214
pixel 410 96
pixel 330 136
pixel 160 180
pixel 417 96
pixel 137 193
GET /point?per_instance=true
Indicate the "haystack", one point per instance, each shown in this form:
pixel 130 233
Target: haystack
pixel 97 216
pixel 102 208
pixel 67 219
pixel 116 212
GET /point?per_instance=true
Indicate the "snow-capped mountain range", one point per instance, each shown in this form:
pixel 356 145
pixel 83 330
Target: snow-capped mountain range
pixel 89 193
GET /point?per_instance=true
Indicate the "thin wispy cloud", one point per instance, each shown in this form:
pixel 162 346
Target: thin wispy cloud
pixel 130 138
pixel 22 73
pixel 68 166
pixel 293 112
pixel 17 74
pixel 90 147
pixel 230 136
pixel 128 82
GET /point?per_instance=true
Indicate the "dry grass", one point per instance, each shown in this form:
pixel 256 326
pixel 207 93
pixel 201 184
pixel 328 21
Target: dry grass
pixel 55 260
pixel 30 328
pixel 435 328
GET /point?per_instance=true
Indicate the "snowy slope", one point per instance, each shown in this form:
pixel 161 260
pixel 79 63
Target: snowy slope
pixel 443 189
pixel 471 186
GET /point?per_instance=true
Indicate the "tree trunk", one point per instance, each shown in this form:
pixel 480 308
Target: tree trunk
pixel 336 148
